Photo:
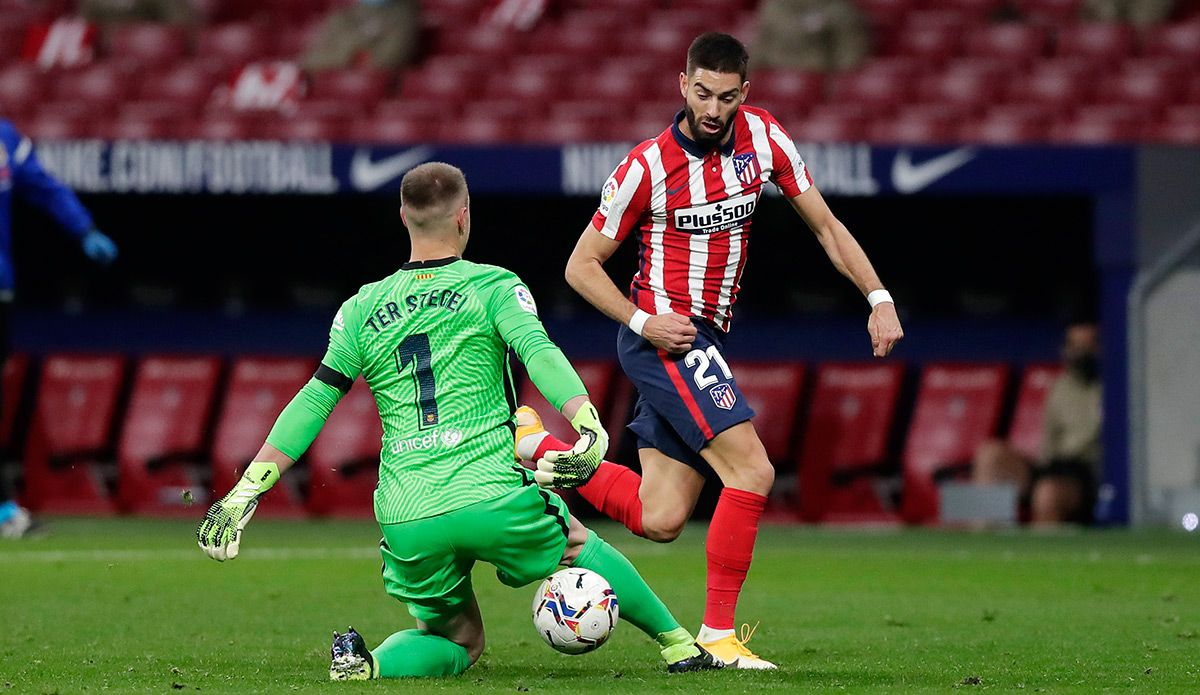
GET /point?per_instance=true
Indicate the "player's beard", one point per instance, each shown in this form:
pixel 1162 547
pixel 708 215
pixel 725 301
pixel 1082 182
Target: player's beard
pixel 702 138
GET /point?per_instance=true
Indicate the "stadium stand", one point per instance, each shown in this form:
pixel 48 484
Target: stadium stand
pixel 773 390
pixel 845 442
pixel 1025 430
pixel 164 435
pixel 961 59
pixel 15 376
pixel 69 437
pixel 258 389
pixel 343 462
pixel 957 408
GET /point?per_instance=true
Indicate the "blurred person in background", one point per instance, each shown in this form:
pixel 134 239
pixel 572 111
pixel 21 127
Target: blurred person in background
pixel 1062 485
pixel 1140 13
pixel 22 174
pixel 374 33
pixel 822 35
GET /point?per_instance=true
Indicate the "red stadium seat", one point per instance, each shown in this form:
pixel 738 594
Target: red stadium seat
pixel 149 43
pixel 1105 44
pixel 966 88
pixel 1055 89
pixel 393 130
pixel 1174 132
pixel 188 83
pixel 845 441
pixel 884 14
pixel 440 84
pixel 598 378
pixel 237 44
pixel 773 390
pixel 69 435
pixel 878 89
pixel 593 111
pixel 493 42
pixel 478 130
pixel 343 462
pixel 59 126
pixel 140 126
pixel 1013 43
pixel 223 126
pixel 1180 41
pixel 540 85
pixel 668 43
pixel 975 10
pixel 1150 88
pixel 1050 13
pixel 957 409
pixel 574 39
pixel 1025 431
pixel 21 87
pixel 1094 125
pixel 931 44
pixel 15 376
pixel 258 390
pixel 305 128
pixel 1001 129
pixel 99 85
pixel 357 86
pixel 165 433
pixel 827 126
pixel 619 84
pixel 799 90
pixel 502 109
pixel 913 128
pixel 561 130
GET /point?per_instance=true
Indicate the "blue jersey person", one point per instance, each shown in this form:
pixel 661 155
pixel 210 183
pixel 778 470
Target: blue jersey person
pixel 22 175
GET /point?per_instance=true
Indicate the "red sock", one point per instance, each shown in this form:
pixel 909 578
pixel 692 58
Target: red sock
pixel 613 489
pixel 730 547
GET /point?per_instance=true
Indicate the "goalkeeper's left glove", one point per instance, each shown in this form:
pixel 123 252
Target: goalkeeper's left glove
pixel 568 469
pixel 220 533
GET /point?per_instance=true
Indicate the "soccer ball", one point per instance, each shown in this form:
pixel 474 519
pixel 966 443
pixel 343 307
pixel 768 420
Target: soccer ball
pixel 575 610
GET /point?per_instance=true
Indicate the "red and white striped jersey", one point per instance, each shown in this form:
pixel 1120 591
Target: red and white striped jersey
pixel 692 211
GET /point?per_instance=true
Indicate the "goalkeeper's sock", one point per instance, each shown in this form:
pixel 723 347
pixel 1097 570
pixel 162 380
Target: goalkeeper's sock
pixel 613 489
pixel 638 602
pixel 418 653
pixel 730 547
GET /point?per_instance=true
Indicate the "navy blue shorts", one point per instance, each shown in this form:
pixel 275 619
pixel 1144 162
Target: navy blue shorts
pixel 684 400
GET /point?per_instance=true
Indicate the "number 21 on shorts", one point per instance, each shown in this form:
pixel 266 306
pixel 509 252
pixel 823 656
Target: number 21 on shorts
pixel 701 361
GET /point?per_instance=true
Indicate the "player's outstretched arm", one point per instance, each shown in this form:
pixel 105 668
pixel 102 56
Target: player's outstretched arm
pixel 586 275
pixel 220 532
pixel 850 260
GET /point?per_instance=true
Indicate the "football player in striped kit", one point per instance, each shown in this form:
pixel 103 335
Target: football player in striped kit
pixel 689 194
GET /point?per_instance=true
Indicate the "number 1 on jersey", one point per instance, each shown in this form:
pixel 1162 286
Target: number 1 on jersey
pixel 415 349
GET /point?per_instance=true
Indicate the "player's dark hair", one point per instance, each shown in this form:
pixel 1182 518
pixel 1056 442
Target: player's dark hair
pixel 432 185
pixel 717 52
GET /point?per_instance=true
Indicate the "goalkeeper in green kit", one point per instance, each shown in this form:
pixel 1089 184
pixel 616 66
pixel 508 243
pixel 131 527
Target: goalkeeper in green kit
pixel 432 343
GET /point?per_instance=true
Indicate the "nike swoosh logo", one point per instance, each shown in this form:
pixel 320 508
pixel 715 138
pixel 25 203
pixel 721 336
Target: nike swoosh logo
pixel 673 191
pixel 367 175
pixel 910 178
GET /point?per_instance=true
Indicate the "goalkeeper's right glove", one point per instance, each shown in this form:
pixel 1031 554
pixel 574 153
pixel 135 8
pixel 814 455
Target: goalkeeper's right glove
pixel 220 533
pixel 568 469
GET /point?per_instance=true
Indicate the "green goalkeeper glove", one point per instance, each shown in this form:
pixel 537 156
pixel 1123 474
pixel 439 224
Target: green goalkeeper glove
pixel 568 469
pixel 220 533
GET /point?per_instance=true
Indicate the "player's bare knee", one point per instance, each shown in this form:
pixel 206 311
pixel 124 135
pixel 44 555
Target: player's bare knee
pixel 663 527
pixel 475 647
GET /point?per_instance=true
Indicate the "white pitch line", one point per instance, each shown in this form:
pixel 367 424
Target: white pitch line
pixel 142 555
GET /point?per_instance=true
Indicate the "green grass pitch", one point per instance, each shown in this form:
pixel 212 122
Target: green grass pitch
pixel 133 606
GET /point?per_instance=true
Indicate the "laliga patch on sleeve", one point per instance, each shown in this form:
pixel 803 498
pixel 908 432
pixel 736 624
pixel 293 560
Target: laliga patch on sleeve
pixel 339 321
pixel 525 299
pixel 607 194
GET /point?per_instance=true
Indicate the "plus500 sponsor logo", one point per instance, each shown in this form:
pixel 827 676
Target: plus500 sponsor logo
pixel 716 217
pixel 443 439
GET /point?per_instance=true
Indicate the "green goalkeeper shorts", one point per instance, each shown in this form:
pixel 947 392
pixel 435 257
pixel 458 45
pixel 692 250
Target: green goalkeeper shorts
pixel 427 562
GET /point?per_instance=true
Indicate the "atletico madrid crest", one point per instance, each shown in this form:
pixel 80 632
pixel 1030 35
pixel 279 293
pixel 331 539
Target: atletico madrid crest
pixel 723 396
pixel 746 168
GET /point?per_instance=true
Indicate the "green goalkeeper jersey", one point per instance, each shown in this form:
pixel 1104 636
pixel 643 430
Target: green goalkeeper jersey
pixel 432 343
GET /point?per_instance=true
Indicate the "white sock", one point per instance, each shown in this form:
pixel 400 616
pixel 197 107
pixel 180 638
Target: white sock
pixel 708 634
pixel 528 445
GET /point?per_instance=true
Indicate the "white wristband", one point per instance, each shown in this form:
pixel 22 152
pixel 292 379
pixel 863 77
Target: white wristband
pixel 638 321
pixel 876 297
